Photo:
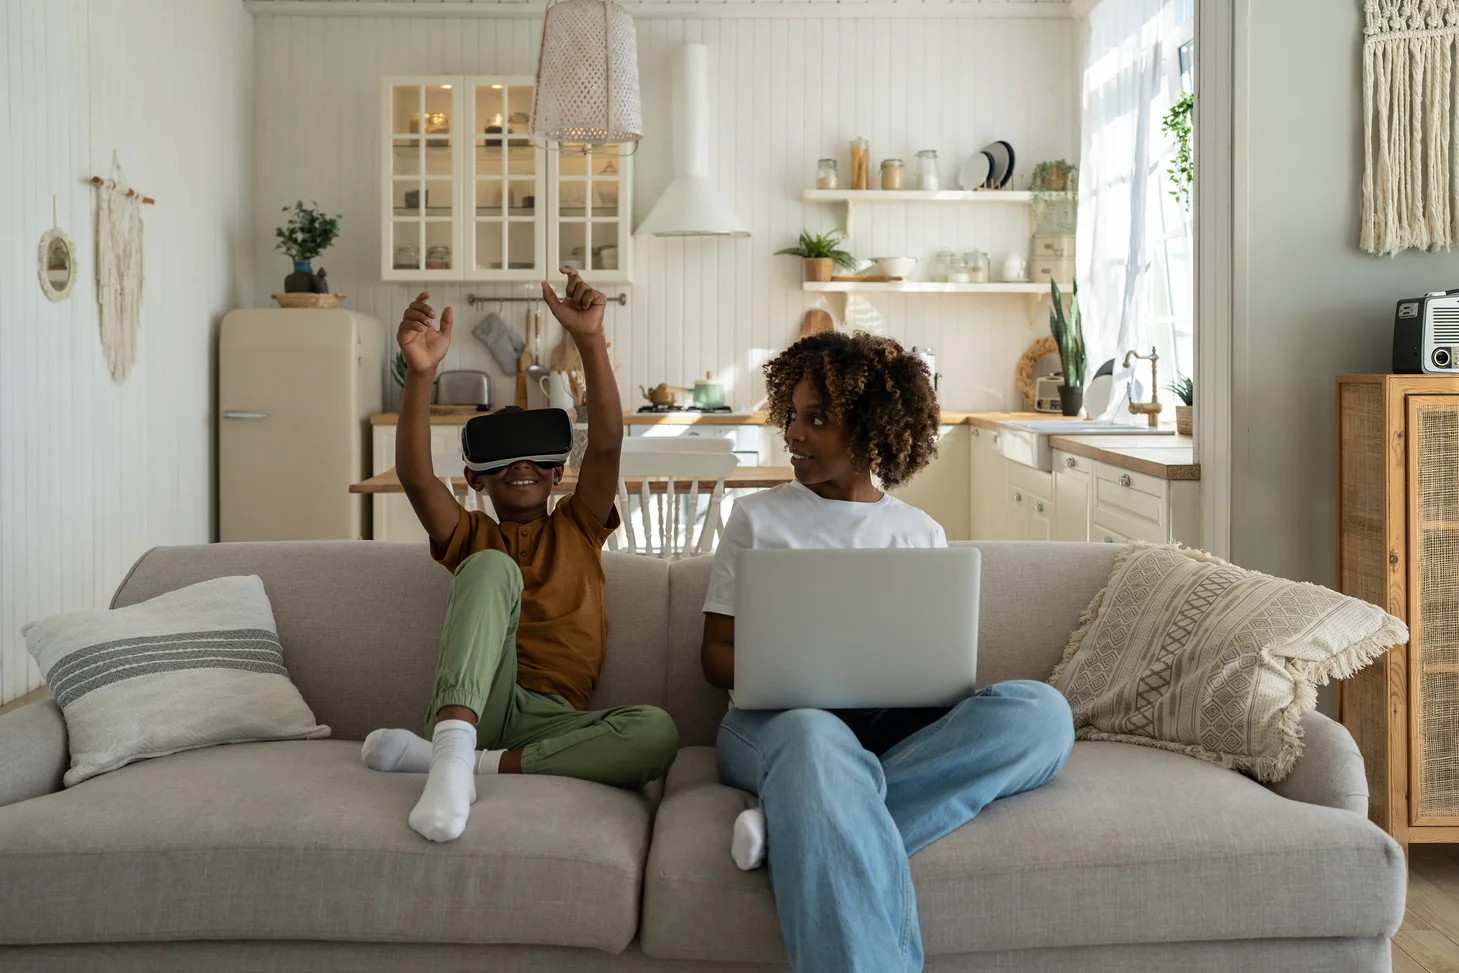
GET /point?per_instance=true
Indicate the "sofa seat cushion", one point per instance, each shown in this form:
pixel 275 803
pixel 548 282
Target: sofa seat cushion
pixel 299 840
pixel 1125 845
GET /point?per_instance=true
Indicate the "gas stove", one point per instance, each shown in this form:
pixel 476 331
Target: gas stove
pixel 681 408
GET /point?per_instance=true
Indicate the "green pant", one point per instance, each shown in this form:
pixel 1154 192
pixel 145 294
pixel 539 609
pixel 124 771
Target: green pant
pixel 477 668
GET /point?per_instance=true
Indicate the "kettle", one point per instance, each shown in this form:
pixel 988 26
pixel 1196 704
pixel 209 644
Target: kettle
pixel 708 394
pixel 929 358
pixel 661 395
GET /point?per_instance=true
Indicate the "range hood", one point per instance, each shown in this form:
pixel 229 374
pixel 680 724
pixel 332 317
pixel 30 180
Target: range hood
pixel 691 205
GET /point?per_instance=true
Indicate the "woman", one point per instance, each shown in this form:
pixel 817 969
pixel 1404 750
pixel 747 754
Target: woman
pixel 847 796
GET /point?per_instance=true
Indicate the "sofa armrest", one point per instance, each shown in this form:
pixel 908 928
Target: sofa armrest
pixel 1330 770
pixel 33 752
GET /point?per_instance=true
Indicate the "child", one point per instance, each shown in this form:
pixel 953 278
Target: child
pixel 847 796
pixel 525 629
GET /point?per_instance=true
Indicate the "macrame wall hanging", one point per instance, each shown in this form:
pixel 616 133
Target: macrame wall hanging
pixel 1410 135
pixel 119 269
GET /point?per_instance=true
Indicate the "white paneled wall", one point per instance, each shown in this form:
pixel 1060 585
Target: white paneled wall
pixel 784 92
pixel 92 473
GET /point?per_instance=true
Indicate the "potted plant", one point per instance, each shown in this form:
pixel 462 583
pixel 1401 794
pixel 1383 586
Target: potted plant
pixel 1069 336
pixel 822 253
pixel 1183 389
pixel 307 234
pixel 1052 177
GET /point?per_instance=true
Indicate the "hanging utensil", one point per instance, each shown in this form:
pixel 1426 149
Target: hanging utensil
pixel 816 320
pixel 524 360
pixel 535 372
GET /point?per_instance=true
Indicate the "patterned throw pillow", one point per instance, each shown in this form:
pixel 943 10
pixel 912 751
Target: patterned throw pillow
pixel 1185 652
pixel 193 668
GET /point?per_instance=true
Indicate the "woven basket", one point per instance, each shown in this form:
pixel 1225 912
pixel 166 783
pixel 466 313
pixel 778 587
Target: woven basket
pixel 308 300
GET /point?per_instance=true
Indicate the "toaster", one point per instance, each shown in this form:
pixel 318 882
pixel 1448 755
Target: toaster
pixel 1426 334
pixel 1046 393
pixel 464 387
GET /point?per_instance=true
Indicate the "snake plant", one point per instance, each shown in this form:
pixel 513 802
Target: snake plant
pixel 1068 335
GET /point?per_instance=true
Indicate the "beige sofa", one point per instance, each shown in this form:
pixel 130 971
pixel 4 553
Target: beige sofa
pixel 294 856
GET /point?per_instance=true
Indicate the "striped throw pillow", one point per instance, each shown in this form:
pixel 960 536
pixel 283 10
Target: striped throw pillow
pixel 196 667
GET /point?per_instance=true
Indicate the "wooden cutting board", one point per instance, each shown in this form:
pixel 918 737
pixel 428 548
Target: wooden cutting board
pixel 815 321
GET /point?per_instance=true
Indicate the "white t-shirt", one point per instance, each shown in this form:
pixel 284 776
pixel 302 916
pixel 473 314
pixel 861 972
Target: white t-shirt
pixel 793 516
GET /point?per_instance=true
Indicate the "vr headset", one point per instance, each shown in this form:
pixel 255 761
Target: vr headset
pixel 492 442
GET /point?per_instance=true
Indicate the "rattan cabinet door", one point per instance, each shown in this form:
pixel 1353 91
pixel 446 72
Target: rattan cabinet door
pixel 1433 616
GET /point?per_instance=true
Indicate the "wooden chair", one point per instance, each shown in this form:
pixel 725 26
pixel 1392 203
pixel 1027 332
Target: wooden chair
pixel 651 460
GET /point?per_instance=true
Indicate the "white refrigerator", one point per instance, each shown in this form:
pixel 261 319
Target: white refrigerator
pixel 296 389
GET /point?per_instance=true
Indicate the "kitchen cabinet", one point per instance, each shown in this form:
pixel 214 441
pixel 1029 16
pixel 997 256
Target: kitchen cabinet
pixel 989 511
pixel 393 517
pixel 1080 500
pixel 941 490
pixel 1071 497
pixel 467 196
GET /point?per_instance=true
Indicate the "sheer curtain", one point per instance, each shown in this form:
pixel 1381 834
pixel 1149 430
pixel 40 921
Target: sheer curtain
pixel 1123 98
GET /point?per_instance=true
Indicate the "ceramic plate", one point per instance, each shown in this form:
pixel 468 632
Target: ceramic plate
pixel 1002 155
pixel 1096 396
pixel 974 172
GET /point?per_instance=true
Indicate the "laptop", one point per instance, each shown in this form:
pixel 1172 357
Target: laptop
pixel 846 629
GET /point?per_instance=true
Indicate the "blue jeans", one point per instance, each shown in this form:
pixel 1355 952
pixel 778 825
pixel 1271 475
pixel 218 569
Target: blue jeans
pixel 841 819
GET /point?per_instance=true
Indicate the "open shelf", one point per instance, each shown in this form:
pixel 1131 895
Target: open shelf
pixel 921 287
pixel 916 196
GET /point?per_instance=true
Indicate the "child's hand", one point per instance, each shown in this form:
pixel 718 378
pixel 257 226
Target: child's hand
pixel 582 312
pixel 423 346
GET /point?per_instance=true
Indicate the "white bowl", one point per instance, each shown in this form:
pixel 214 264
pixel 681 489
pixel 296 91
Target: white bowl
pixel 896 266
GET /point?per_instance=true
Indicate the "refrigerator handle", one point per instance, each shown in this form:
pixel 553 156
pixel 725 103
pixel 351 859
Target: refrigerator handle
pixel 233 414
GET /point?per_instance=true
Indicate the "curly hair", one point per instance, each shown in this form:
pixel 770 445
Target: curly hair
pixel 880 393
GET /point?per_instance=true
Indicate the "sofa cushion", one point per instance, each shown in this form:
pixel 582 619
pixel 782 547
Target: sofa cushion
pixel 360 621
pixel 1186 652
pixel 1125 845
pixel 298 840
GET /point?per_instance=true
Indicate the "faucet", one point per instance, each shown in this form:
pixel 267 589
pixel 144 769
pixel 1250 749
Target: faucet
pixel 1153 407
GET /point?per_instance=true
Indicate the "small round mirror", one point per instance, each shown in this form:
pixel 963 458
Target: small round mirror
pixel 57 264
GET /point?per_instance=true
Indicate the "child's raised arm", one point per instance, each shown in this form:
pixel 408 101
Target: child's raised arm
pixel 581 315
pixel 424 346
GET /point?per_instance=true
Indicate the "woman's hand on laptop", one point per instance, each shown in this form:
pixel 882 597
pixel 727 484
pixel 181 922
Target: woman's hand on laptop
pixel 580 312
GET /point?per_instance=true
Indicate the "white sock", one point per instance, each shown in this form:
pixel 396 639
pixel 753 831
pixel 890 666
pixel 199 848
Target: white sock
pixel 396 751
pixel 404 752
pixel 444 806
pixel 747 847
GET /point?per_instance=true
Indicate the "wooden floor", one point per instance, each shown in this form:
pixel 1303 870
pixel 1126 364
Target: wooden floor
pixel 1429 939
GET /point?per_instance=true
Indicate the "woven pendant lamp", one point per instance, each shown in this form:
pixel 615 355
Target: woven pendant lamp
pixel 586 93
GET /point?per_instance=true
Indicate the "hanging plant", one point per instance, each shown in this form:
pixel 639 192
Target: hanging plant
pixel 1177 123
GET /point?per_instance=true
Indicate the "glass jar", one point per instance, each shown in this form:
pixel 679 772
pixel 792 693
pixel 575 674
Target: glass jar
pixel 826 175
pixel 957 271
pixel 927 175
pixel 979 267
pixel 891 174
pixel 438 257
pixel 860 164
pixel 942 266
pixel 407 257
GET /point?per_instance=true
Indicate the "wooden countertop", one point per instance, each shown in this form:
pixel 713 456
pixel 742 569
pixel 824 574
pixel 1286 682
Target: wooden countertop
pixel 989 420
pixel 697 418
pixel 743 478
pixel 1166 457
pixel 1169 458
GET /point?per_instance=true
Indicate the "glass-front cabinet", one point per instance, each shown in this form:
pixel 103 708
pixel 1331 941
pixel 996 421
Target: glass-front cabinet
pixel 469 197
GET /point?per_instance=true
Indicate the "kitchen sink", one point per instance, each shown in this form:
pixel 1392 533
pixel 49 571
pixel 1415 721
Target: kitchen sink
pixel 1027 441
